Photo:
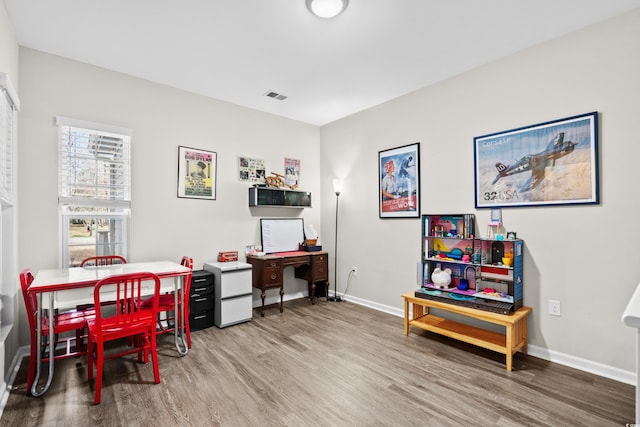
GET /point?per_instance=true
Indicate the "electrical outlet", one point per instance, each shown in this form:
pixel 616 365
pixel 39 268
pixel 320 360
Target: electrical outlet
pixel 355 270
pixel 554 307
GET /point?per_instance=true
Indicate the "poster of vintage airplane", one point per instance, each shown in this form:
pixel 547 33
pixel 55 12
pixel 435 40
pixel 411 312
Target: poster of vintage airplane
pixel 549 163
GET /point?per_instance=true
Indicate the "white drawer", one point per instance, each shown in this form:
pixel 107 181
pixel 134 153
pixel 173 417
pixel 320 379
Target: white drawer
pixel 233 283
pixel 233 310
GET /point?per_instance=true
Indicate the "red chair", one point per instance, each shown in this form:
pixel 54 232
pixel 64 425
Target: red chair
pixel 128 321
pixel 166 304
pixel 103 260
pixel 63 322
pixel 96 261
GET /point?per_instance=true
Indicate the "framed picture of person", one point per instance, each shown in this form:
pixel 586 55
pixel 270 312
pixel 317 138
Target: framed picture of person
pixel 196 173
pixel 399 182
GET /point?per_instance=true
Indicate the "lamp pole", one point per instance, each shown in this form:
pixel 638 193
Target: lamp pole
pixel 336 297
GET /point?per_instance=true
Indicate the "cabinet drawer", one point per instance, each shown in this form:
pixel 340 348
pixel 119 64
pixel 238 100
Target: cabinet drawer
pixel 201 320
pixel 201 278
pixel 199 290
pixel 233 283
pixel 201 303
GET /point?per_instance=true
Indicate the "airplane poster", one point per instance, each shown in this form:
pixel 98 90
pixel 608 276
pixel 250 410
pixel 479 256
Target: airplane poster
pixel 552 163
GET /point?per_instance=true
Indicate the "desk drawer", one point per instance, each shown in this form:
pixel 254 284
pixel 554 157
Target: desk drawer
pixel 320 268
pixel 272 274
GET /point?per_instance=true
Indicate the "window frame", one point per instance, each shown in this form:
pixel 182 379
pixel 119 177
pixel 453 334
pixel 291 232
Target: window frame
pixel 94 208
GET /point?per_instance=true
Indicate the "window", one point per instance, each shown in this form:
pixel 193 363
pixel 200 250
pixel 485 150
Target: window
pixel 9 106
pixel 94 190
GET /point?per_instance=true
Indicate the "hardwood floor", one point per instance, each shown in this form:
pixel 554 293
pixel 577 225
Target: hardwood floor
pixel 330 364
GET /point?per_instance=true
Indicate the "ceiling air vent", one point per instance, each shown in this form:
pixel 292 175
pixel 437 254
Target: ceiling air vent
pixel 275 95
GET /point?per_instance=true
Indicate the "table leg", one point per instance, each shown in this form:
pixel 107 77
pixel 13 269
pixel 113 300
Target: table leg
pixel 262 296
pixel 34 387
pixel 179 301
pixel 509 333
pixel 281 298
pixel 524 332
pixel 406 316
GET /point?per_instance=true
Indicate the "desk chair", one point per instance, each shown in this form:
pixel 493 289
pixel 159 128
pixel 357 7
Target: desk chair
pixel 166 305
pixel 127 321
pixel 62 322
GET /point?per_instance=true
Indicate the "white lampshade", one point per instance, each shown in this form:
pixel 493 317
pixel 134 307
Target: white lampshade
pixel 337 186
pixel 327 8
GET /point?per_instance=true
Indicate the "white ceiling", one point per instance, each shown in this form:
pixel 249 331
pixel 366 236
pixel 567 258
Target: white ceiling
pixel 237 50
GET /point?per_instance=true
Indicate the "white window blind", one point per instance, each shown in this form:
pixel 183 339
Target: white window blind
pixel 9 105
pixel 94 189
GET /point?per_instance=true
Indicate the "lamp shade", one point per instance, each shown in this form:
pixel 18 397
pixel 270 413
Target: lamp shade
pixel 337 186
pixel 327 8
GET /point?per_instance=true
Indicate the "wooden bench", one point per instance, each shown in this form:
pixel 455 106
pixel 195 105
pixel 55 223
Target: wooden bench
pixel 508 343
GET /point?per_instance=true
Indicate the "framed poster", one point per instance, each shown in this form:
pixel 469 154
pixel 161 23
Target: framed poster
pixel 251 170
pixel 196 173
pixel 399 182
pixel 292 173
pixel 552 163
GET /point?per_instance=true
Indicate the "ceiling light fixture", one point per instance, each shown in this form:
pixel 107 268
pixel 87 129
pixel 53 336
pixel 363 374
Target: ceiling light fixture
pixel 327 8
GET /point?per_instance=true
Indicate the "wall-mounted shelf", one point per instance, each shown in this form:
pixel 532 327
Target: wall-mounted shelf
pixel 278 197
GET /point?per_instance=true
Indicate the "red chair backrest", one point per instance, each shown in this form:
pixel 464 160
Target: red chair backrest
pixel 127 288
pixel 103 260
pixel 30 301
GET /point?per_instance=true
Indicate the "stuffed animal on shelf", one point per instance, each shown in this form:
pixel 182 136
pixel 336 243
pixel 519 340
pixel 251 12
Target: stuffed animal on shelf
pixel 441 278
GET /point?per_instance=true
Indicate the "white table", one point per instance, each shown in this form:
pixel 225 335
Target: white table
pixel 631 317
pixel 68 287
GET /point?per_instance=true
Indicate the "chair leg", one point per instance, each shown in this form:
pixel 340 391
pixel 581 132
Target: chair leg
pixel 99 366
pixel 89 358
pixel 154 358
pixel 187 329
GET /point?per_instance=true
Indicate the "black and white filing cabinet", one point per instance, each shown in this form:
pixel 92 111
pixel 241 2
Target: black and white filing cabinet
pixel 232 292
pixel 201 300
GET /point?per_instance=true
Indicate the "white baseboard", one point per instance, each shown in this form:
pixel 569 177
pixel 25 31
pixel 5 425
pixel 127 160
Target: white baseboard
pixel 595 368
pixel 15 366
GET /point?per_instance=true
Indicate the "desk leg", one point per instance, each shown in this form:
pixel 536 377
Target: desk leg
pixel 34 386
pixel 179 301
pixel 312 292
pixel 262 296
pixel 281 298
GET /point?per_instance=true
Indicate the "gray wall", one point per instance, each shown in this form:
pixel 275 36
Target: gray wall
pixel 580 255
pixel 163 226
pixel 583 256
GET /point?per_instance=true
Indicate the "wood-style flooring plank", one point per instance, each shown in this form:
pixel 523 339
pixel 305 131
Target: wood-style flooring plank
pixel 328 364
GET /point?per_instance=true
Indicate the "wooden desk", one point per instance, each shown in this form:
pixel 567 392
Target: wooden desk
pixel 268 272
pixel 514 338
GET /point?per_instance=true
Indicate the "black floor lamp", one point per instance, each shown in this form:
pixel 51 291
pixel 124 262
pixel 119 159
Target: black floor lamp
pixel 337 188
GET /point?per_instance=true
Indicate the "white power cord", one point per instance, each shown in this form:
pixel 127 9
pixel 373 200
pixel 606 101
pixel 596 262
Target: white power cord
pixel 348 282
